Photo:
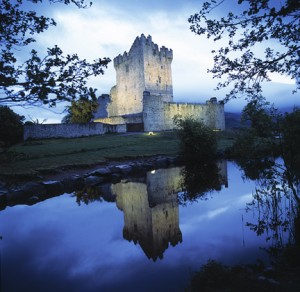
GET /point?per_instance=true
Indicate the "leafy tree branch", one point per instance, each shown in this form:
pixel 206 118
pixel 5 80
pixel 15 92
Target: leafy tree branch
pixel 263 23
pixel 48 79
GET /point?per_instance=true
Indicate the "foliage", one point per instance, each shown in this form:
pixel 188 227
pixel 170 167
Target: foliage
pixel 261 116
pixel 290 129
pixel 276 198
pixel 198 181
pixel 11 126
pixel 197 141
pixel 78 3
pixel 256 143
pixel 88 195
pixel 214 277
pixel 254 24
pixel 198 150
pixel 82 110
pixel 87 151
pixel 276 205
pixel 40 79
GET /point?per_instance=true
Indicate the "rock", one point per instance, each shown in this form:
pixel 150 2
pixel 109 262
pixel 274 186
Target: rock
pixel 75 182
pixel 26 191
pixel 93 180
pixel 3 201
pixel 32 189
pixel 149 166
pixel 124 169
pixel 173 160
pixel 103 171
pixel 114 169
pixel 161 162
pixel 54 188
pixel 115 178
pixel 137 168
pixel 33 200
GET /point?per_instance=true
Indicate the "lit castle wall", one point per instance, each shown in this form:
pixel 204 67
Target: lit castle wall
pixel 144 92
pixel 142 99
pixel 145 67
pixel 150 208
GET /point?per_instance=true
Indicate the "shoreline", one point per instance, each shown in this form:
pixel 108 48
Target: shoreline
pixel 67 180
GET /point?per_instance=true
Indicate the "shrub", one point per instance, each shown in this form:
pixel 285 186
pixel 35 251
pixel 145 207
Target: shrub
pixel 197 141
pixel 11 126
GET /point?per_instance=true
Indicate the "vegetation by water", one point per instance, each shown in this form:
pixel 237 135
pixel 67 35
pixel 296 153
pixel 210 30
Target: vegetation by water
pixel 32 157
pixel 38 155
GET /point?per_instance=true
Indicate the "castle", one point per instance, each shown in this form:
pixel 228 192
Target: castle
pixel 142 99
pixel 143 96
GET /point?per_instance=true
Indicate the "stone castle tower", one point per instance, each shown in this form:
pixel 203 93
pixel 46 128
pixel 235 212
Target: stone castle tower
pixel 144 68
pixel 142 98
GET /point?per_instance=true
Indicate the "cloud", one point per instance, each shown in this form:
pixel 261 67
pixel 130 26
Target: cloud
pixel 107 29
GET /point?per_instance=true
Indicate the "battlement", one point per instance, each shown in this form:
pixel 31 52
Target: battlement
pixel 139 46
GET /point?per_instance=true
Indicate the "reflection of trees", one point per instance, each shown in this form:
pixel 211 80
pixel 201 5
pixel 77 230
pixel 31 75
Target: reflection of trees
pixel 275 199
pixel 254 167
pixel 201 178
pixel 95 193
pixel 87 195
pixel 277 195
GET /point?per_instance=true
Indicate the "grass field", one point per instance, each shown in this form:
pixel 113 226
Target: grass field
pixel 41 155
pixel 32 157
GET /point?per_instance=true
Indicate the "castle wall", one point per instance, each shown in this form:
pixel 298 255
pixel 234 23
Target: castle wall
pixel 157 70
pixel 151 216
pixel 144 67
pixel 158 115
pixel 46 131
pixel 130 82
pixel 144 86
pixel 111 120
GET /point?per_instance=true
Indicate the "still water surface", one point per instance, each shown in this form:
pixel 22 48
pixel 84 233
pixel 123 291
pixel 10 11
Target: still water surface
pixel 138 240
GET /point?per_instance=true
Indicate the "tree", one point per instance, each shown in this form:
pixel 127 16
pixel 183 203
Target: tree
pixel 199 179
pixel 48 79
pixel 82 110
pixel 261 115
pixel 11 126
pixel 290 129
pixel 260 23
pixel 197 141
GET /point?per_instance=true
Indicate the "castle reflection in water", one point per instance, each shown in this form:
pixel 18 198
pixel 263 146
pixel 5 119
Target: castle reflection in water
pixel 150 207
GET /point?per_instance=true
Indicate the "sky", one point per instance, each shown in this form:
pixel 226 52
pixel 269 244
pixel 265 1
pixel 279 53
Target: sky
pixel 108 28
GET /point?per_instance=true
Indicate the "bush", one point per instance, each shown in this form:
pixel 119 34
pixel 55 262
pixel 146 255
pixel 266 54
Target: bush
pixel 11 126
pixel 290 129
pixel 197 141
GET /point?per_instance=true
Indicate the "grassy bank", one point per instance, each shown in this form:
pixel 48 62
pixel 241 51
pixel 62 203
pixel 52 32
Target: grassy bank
pixel 41 155
pixel 36 156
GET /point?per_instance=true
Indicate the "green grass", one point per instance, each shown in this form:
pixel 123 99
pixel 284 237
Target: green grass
pixel 37 156
pixel 40 155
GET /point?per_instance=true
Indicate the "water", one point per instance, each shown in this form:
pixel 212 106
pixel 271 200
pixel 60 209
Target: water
pixel 140 241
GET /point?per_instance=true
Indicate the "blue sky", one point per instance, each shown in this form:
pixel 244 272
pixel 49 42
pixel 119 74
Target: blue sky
pixel 109 28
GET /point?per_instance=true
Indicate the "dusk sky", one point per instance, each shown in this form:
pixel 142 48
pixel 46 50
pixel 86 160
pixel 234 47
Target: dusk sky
pixel 109 28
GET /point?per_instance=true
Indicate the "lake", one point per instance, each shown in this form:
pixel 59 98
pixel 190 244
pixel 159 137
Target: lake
pixel 136 237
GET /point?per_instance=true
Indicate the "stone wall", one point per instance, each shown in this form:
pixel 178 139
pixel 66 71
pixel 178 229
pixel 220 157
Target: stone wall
pixel 126 119
pixel 151 216
pixel 144 67
pixel 46 131
pixel 158 115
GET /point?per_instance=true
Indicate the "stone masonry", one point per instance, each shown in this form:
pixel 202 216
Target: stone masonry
pixel 144 92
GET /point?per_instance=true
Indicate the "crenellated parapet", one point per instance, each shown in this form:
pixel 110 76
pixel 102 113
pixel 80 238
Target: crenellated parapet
pixel 144 88
pixel 158 115
pixel 141 45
